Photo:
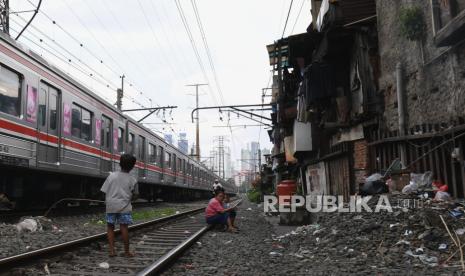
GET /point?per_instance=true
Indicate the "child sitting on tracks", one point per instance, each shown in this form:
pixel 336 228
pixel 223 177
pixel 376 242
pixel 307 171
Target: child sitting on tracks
pixel 216 214
pixel 120 188
pixel 231 214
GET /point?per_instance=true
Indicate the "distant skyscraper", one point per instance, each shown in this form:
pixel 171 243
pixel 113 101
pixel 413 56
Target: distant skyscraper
pixel 245 160
pixel 169 138
pixel 254 152
pixel 183 144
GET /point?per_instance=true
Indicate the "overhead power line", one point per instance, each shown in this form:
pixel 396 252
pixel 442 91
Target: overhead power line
pixel 58 54
pixel 287 18
pixel 298 16
pixel 194 46
pixel 82 45
pixel 207 49
pixel 155 38
pixel 70 56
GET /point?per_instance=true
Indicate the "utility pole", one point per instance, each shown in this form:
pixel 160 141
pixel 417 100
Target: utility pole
pixel 197 131
pixel 5 16
pixel 119 94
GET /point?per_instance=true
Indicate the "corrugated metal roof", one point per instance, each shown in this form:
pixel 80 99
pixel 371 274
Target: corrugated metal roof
pixel 346 11
pixel 355 10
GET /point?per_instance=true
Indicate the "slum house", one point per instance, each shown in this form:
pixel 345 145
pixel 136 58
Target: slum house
pixel 325 97
pixel 422 64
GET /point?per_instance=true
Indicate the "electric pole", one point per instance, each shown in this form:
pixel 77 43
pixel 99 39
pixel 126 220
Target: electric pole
pixel 5 16
pixel 197 131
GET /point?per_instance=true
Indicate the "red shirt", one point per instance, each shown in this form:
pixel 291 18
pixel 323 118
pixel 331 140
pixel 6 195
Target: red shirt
pixel 213 208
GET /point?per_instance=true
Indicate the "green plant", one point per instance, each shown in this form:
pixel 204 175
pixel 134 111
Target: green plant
pixel 152 213
pixel 412 23
pixel 254 195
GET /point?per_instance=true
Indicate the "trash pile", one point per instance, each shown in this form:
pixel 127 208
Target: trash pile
pixel 418 234
pixel 33 224
pixel 420 184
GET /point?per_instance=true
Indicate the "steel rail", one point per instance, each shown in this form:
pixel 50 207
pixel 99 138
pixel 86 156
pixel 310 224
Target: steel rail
pixel 174 253
pixel 8 261
pixel 166 259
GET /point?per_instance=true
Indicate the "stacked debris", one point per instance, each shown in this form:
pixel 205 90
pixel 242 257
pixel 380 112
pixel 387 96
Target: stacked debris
pixel 419 234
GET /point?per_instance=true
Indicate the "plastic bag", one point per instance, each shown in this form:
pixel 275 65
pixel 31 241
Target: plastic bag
pixel 374 188
pixel 374 177
pixel 443 196
pixel 410 188
pixel 422 180
pixel 27 224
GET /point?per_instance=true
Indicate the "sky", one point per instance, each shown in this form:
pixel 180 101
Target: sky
pixel 146 41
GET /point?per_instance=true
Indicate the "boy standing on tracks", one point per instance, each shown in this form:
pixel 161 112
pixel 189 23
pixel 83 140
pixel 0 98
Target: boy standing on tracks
pixel 120 188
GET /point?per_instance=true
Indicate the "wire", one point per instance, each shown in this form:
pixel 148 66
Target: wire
pixel 183 57
pixel 30 20
pixel 207 49
pixel 76 40
pixel 194 46
pixel 287 18
pixel 64 60
pixel 298 15
pixel 155 38
pixel 66 51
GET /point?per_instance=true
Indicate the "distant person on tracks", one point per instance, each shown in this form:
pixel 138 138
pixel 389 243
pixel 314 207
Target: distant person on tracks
pixel 120 188
pixel 216 214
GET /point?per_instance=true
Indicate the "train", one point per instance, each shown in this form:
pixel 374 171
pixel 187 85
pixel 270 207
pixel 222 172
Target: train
pixel 60 139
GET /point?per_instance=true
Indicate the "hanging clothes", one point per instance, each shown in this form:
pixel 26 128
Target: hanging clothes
pixel 319 83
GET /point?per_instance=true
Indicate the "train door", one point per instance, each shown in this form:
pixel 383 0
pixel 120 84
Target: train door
pixel 48 125
pixel 105 127
pixel 161 162
pixel 184 171
pixel 141 157
pixel 175 168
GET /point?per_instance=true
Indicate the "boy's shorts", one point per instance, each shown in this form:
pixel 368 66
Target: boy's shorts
pixel 118 218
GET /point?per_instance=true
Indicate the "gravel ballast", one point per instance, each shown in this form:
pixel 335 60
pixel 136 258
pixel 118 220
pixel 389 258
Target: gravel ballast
pixel 404 242
pixel 67 228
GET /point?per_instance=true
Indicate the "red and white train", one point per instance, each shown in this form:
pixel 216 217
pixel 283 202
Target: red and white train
pixel 59 139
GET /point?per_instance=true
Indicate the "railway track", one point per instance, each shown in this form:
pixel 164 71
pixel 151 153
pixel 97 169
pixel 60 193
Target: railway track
pixel 156 244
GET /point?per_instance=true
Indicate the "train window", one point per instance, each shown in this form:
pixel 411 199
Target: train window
pixel 86 130
pixel 152 153
pixel 53 102
pixel 120 139
pixel 42 107
pixel 179 165
pixel 131 143
pixel 173 162
pixel 76 121
pixel 141 148
pixel 106 132
pixel 167 160
pixel 10 92
pixel 160 155
pixel 81 123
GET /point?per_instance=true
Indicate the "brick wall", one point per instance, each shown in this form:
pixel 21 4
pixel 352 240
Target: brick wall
pixel 360 160
pixel 434 77
pixel 360 154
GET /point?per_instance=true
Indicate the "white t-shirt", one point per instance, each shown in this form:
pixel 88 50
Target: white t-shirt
pixel 119 188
